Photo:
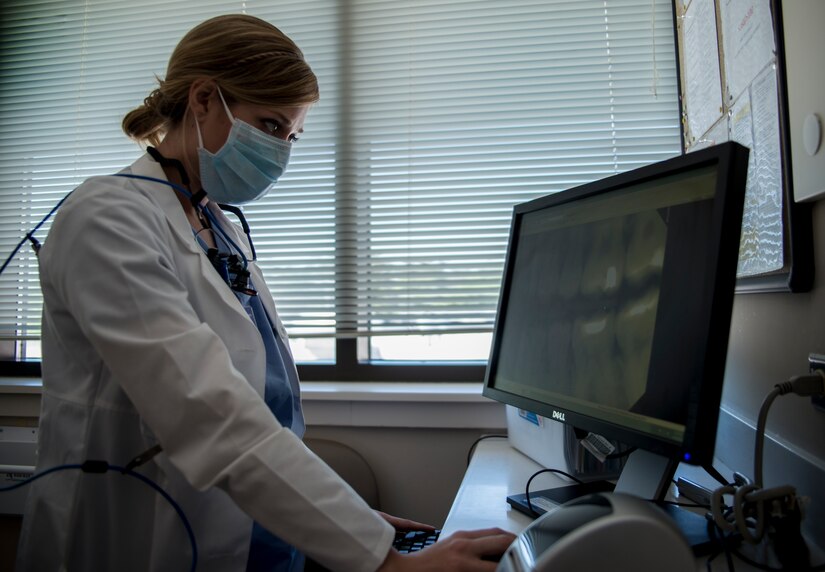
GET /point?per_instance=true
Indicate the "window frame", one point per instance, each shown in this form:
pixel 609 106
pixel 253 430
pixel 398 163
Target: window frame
pixel 349 368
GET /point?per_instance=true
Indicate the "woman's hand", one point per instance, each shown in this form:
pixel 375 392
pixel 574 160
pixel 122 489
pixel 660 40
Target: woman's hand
pixel 466 551
pixel 404 524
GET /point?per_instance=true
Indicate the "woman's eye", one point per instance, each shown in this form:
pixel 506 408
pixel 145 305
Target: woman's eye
pixel 294 138
pixel 270 126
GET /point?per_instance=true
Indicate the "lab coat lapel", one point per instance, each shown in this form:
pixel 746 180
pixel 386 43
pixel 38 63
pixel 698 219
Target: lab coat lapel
pixel 180 225
pixel 165 197
pixel 235 320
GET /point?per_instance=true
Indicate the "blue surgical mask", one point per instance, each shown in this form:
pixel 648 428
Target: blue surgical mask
pixel 245 167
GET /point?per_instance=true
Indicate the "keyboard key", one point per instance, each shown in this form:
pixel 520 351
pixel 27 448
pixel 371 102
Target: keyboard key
pixel 414 540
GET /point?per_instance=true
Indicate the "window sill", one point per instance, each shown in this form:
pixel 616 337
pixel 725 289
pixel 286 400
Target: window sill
pixel 349 404
pixel 393 404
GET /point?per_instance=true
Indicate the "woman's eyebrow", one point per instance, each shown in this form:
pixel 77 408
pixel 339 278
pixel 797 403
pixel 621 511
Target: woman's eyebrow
pixel 283 121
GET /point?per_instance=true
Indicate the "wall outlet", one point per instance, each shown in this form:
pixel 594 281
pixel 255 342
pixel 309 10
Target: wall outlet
pixel 815 362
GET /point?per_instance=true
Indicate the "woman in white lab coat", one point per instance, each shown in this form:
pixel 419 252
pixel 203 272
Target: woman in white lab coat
pixel 159 335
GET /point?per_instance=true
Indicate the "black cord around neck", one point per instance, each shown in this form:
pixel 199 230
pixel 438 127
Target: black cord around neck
pixel 166 162
pixel 195 198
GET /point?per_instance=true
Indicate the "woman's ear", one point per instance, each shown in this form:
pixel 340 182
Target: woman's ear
pixel 201 93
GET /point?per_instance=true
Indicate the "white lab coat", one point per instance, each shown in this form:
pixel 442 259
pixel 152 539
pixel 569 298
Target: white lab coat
pixel 144 343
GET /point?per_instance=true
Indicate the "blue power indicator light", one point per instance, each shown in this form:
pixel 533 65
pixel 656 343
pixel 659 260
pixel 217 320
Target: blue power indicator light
pixel 687 456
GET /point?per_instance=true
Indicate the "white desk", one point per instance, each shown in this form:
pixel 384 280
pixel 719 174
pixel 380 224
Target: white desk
pixel 496 471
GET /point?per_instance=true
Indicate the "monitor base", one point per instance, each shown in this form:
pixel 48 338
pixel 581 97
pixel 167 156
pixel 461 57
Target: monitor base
pixel 547 499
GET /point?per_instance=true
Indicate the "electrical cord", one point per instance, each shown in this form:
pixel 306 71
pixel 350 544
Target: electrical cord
pixel 536 474
pixel 755 510
pixel 205 211
pixel 803 385
pixel 30 236
pixel 100 467
pixel 210 217
pixel 479 440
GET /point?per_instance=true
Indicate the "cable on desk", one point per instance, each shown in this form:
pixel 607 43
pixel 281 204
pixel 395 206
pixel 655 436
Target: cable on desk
pixel 536 474
pixel 477 441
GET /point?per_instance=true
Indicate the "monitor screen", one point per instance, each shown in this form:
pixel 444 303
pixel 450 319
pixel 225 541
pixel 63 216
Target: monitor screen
pixel 615 305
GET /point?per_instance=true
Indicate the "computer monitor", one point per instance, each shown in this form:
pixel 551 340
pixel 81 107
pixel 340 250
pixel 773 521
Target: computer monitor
pixel 615 309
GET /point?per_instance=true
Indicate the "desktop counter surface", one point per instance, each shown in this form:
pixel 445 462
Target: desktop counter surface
pixel 497 470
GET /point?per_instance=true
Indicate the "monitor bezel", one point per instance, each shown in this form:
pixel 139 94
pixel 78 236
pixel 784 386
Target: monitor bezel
pixel 697 447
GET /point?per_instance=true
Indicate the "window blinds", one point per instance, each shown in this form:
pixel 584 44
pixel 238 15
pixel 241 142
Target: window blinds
pixel 435 119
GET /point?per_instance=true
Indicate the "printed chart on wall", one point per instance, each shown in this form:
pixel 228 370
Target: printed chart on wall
pixel 731 91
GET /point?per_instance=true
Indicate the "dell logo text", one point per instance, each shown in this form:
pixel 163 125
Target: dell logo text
pixel 558 415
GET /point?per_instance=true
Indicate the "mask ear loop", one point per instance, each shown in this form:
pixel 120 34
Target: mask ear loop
pixel 225 106
pixel 201 193
pixel 198 197
pixel 198 130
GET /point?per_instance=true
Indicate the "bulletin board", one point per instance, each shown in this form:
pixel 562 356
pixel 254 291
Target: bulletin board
pixel 732 87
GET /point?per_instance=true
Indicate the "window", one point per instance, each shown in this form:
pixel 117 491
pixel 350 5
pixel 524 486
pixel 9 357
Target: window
pixel 384 243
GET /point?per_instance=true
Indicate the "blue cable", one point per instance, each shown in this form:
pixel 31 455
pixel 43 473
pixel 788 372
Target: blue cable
pixel 91 466
pixel 205 211
pixel 30 235
pixel 33 478
pixel 180 189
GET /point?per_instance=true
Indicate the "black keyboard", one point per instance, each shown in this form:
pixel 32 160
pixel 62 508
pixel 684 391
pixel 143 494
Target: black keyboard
pixel 414 541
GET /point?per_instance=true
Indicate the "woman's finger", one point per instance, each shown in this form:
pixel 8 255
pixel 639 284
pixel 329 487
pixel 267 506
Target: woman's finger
pixel 405 524
pixel 482 532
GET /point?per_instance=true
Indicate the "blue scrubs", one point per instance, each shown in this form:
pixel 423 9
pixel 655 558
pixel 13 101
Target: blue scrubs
pixel 267 552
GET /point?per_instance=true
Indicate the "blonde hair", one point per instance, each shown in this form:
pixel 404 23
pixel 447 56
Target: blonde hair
pixel 251 60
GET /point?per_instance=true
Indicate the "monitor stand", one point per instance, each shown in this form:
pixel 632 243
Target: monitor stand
pixel 648 476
